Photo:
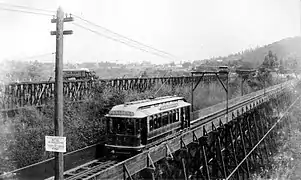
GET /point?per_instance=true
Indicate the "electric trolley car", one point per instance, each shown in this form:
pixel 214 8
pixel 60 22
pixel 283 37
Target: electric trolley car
pixel 138 125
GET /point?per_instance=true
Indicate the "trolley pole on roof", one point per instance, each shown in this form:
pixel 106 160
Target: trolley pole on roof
pixel 58 86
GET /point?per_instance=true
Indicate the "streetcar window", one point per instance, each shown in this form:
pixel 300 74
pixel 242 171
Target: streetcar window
pixel 138 125
pixel 170 120
pixel 155 122
pixel 151 123
pixel 183 113
pixel 122 126
pixel 177 115
pixel 174 116
pixel 159 120
pixel 164 119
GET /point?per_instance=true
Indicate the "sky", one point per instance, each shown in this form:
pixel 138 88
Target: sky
pixel 188 29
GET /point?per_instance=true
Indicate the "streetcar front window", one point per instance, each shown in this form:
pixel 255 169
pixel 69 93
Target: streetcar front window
pixel 122 126
pixel 124 131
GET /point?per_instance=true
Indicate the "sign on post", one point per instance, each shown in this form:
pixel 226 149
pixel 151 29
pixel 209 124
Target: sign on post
pixel 55 143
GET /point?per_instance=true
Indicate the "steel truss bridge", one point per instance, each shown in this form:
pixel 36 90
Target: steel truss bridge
pixel 229 140
pixel 17 95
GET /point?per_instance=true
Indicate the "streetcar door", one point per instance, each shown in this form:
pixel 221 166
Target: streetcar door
pixel 188 115
pixel 184 117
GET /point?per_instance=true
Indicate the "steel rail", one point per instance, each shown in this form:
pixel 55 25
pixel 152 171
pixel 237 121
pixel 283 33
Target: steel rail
pixel 44 169
pixel 140 161
pixel 83 171
pixel 237 102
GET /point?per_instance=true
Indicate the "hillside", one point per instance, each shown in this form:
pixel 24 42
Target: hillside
pixel 286 50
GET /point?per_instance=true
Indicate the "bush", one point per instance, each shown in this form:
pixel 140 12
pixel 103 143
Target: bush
pixel 23 144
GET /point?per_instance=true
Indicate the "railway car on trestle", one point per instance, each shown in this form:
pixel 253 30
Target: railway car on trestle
pixel 138 125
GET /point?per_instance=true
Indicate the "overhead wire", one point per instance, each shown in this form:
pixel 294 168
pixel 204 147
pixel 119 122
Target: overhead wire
pixel 23 11
pixel 127 38
pixel 117 40
pixel 29 10
pixel 36 56
pixel 124 40
pixel 27 7
pixel 170 71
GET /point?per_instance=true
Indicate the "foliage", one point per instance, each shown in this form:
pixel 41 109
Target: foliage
pixel 18 71
pixel 287 51
pixel 285 164
pixel 84 122
pixel 186 65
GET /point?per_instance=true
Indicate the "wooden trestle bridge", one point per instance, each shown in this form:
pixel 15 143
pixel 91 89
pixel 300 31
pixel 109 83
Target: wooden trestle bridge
pixel 218 146
pixel 17 95
pixel 222 143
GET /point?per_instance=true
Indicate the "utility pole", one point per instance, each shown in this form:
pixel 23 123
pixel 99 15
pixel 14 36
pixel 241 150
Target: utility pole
pixel 58 87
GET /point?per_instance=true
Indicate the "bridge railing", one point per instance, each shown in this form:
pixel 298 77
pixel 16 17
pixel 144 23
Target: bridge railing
pixel 208 121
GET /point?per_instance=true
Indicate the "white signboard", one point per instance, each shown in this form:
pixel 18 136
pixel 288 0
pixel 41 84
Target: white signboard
pixel 55 143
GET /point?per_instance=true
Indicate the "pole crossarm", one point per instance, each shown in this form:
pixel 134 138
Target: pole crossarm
pixel 59 88
pixel 223 71
pixel 225 88
pixel 67 32
pixel 198 81
pixel 216 73
pixel 66 19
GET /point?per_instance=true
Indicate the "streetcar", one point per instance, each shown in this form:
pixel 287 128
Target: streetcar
pixel 79 74
pixel 135 126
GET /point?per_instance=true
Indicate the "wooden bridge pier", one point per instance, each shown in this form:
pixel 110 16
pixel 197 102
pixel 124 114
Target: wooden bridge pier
pixel 217 145
pixel 16 95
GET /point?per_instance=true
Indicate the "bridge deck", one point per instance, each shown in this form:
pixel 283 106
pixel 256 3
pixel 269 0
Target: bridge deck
pixel 207 120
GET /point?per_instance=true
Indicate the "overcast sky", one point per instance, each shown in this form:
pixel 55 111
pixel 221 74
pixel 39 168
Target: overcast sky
pixel 187 29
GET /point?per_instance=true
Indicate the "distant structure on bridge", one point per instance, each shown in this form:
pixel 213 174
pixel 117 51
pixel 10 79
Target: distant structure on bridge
pixel 79 74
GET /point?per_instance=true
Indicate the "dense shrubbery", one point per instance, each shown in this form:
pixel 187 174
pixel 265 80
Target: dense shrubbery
pixel 84 122
pixel 285 163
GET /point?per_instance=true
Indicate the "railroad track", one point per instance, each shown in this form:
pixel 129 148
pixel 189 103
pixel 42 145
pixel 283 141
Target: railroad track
pixel 207 121
pixel 97 165
pixel 208 116
pixel 84 171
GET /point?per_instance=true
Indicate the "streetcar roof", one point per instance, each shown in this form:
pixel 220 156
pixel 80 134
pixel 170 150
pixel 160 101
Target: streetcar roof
pixel 144 108
pixel 81 69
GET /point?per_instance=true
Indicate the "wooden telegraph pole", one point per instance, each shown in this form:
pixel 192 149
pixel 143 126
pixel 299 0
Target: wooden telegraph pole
pixel 58 114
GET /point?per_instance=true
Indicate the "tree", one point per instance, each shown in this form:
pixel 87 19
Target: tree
pixel 33 71
pixel 270 61
pixel 144 74
pixel 186 65
pixel 172 64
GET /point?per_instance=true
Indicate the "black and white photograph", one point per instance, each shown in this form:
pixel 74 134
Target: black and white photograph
pixel 150 90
